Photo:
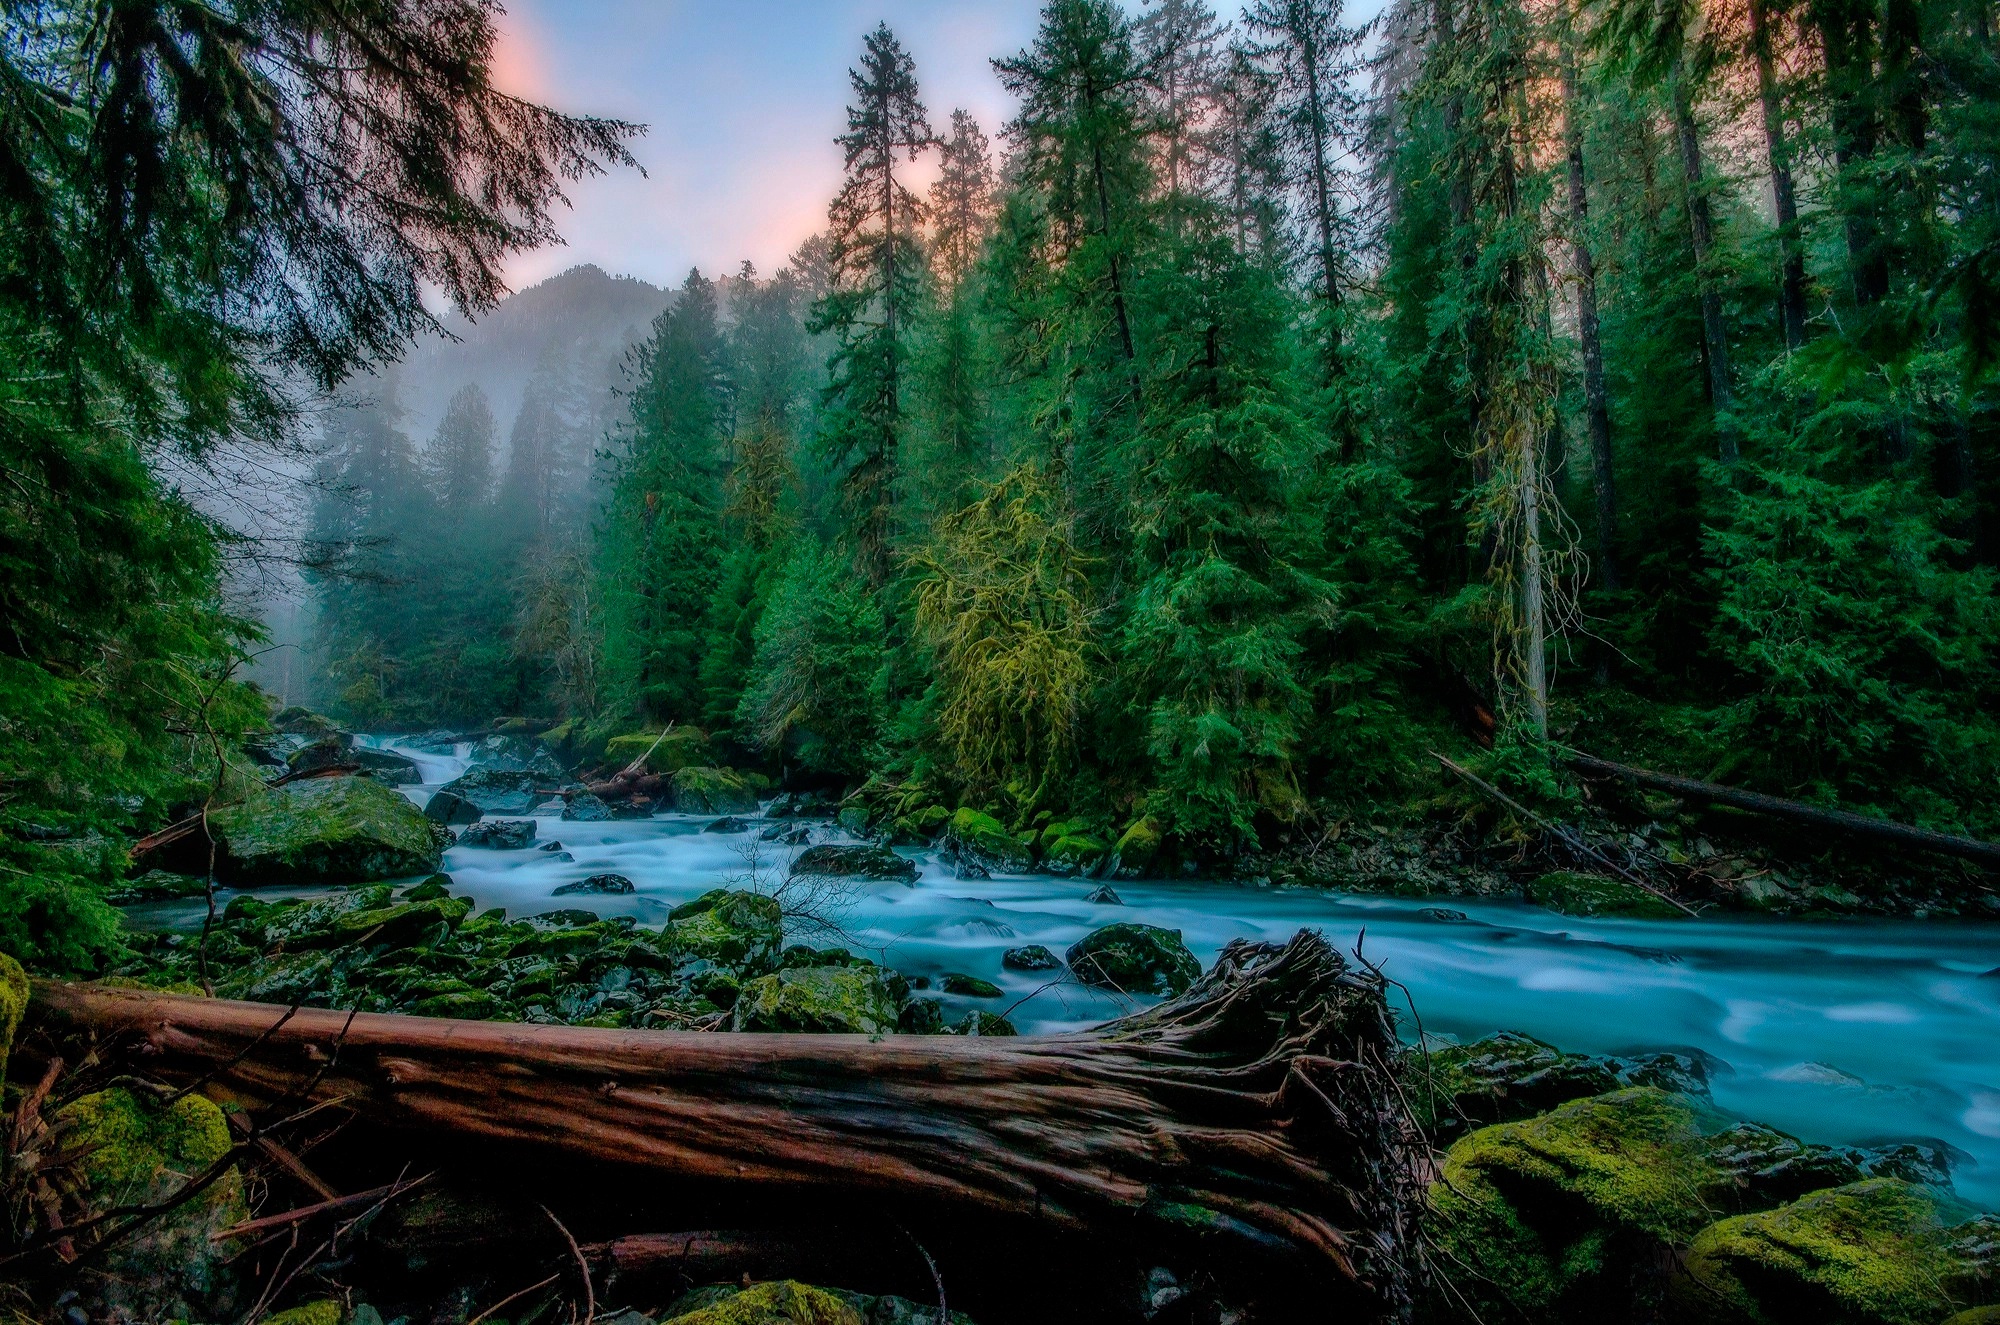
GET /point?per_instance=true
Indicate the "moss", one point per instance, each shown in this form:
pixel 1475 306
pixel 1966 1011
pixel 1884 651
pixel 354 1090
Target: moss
pixel 13 1003
pixel 1870 1253
pixel 1555 1213
pixel 713 791
pixel 312 1313
pixel 1138 846
pixel 987 838
pixel 324 830
pixel 784 1302
pixel 736 929
pixel 1977 1316
pixel 971 986
pixel 1136 959
pixel 1576 894
pixel 841 1000
pixel 1076 851
pixel 683 747
pixel 131 1149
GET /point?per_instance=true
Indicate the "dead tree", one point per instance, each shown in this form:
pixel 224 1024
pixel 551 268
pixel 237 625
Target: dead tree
pixel 1254 1122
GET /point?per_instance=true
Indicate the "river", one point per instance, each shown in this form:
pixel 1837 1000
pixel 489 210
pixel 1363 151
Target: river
pixel 1839 1031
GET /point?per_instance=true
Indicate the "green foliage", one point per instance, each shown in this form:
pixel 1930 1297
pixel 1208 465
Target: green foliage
pixel 812 694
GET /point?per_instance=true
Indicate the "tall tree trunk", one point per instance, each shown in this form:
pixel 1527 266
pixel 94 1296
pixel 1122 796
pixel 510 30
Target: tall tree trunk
pixel 1596 403
pixel 1714 332
pixel 1846 30
pixel 1792 289
pixel 1533 592
pixel 1309 54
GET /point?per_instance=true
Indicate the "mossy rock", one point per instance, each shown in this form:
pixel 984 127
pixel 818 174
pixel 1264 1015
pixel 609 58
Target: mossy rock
pixel 921 825
pixel 1075 853
pixel 1507 1077
pixel 968 986
pixel 845 1000
pixel 13 1004
pixel 156 886
pixel 1138 847
pixel 1870 1253
pixel 323 830
pixel 983 1023
pixel 131 1150
pixel 742 930
pixel 312 1313
pixel 682 747
pixel 1577 894
pixel 498 790
pixel 987 840
pixel 783 1302
pixel 1134 959
pixel 1556 1215
pixel 854 862
pixel 296 721
pixel 1976 1316
pixel 713 791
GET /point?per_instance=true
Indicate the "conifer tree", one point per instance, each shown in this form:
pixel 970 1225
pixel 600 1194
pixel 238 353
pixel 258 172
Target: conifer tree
pixel 663 546
pixel 876 271
pixel 458 464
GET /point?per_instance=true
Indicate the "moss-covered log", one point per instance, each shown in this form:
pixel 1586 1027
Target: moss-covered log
pixel 1254 1119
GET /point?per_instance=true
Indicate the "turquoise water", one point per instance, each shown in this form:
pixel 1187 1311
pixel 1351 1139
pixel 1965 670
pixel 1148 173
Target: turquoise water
pixel 1846 1031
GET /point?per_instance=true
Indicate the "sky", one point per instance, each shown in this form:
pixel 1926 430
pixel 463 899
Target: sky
pixel 742 100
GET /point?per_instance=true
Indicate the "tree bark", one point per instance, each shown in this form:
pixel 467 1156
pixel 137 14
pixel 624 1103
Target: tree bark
pixel 1924 839
pixel 1254 1119
pixel 1596 400
pixel 1714 332
pixel 1784 195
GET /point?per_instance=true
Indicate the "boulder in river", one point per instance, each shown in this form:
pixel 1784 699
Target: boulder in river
pixel 1102 895
pixel 856 1000
pixel 383 765
pixel 296 721
pixel 982 1023
pixel 497 790
pixel 602 884
pixel 968 986
pixel 1033 957
pixel 727 824
pixel 499 834
pixel 1135 959
pixel 582 807
pixel 1507 1077
pixel 854 862
pixel 451 810
pixel 323 830
pixel 680 747
pixel 713 791
pixel 985 840
pixel 742 930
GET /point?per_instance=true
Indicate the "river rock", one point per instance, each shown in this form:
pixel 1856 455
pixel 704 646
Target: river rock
pixel 985 840
pixel 983 1023
pixel 499 834
pixel 821 999
pixel 791 835
pixel 450 809
pixel 1507 1077
pixel 1135 959
pixel 323 830
pixel 1577 894
pixel 583 807
pixel 1883 1252
pixel 712 791
pixel 854 862
pixel 603 884
pixel 1104 896
pixel 384 766
pixel 1137 849
pixel 729 824
pixel 741 930
pixel 1033 957
pixel 497 791
pixel 680 747
pixel 968 986
pixel 296 721
pixel 1557 1217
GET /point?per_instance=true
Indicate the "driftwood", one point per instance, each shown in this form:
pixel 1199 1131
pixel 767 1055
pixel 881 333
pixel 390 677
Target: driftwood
pixel 1254 1121
pixel 1950 844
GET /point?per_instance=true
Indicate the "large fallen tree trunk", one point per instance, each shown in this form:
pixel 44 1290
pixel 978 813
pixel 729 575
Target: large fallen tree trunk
pixel 1924 839
pixel 1256 1114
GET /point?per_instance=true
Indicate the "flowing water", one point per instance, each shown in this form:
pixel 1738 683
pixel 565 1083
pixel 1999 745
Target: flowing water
pixel 1845 1031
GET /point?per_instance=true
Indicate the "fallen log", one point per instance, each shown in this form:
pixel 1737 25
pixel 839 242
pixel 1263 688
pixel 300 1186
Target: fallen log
pixel 1253 1121
pixel 1886 830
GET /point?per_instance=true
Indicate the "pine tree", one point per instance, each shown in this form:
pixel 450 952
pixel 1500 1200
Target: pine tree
pixel 961 203
pixel 876 270
pixel 662 547
pixel 812 697
pixel 458 464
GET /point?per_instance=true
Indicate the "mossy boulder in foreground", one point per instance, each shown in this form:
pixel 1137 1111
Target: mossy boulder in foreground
pixel 739 930
pixel 1507 1077
pixel 323 830
pixel 1556 1216
pixel 1135 959
pixel 1880 1252
pixel 787 1302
